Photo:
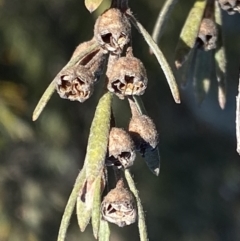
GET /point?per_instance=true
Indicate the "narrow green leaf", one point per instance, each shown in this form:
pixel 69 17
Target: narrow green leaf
pixel 92 5
pixel 152 158
pixel 162 19
pixel 83 214
pixel 202 74
pixel 104 231
pixel 79 183
pixel 189 32
pixel 220 60
pixel 141 219
pixel 160 57
pixel 43 101
pixel 96 207
pixel 98 142
pixel 51 88
pixel 186 73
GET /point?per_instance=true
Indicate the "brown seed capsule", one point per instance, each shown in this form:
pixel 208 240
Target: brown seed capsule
pixel 127 77
pixel 75 84
pixel 121 149
pixel 112 30
pixel 231 6
pixel 119 206
pixel 207 36
pixel 144 133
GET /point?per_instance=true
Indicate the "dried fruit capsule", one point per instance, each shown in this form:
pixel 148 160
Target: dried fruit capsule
pixel 143 132
pixel 112 30
pixel 119 206
pixel 231 6
pixel 127 77
pixel 75 84
pixel 121 149
pixel 207 35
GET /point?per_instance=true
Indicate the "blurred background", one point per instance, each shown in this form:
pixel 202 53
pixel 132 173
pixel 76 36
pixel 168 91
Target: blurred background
pixel 197 195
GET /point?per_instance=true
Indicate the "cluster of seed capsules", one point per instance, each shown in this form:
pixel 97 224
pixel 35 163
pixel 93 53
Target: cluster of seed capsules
pixel 126 76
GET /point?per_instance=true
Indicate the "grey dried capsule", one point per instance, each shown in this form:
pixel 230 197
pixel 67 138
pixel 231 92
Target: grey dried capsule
pixel 144 133
pixel 75 84
pixel 207 36
pixel 127 77
pixel 119 206
pixel 121 149
pixel 112 30
pixel 231 6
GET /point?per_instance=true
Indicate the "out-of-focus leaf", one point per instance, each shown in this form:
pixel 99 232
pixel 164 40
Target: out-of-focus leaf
pixel 160 57
pixel 189 32
pixel 13 125
pixel 220 60
pixel 13 95
pixel 202 74
pixel 238 117
pixel 92 5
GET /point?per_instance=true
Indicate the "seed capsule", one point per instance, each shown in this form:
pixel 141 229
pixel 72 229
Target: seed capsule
pixel 121 149
pixel 112 30
pixel 144 133
pixel 127 77
pixel 75 84
pixel 119 206
pixel 207 35
pixel 231 6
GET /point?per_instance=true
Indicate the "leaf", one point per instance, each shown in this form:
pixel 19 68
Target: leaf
pixel 15 127
pixel 50 89
pixel 79 183
pixel 83 214
pixel 152 159
pixel 141 219
pixel 189 32
pixel 162 19
pixel 202 74
pixel 44 100
pixel 96 214
pixel 220 60
pixel 97 143
pixel 92 5
pixel 160 57
pixel 104 231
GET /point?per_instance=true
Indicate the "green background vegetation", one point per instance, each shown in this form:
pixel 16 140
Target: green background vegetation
pixel 197 195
